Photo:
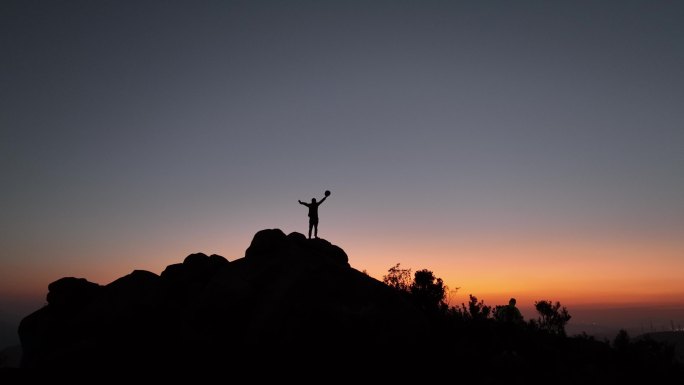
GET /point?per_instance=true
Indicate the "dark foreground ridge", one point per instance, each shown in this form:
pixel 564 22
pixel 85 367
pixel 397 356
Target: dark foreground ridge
pixel 288 296
pixel 296 304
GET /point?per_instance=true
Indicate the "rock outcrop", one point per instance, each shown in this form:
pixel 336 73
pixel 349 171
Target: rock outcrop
pixel 288 296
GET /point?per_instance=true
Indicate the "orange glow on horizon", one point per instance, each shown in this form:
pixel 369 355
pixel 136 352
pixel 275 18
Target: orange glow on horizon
pixel 572 272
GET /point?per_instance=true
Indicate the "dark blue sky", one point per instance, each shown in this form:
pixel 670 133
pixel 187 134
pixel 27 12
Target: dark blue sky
pixel 135 132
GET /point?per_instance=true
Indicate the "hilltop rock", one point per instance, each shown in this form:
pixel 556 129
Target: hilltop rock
pixel 288 296
pixel 71 293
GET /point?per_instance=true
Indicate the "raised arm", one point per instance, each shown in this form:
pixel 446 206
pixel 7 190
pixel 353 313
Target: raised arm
pixel 302 203
pixel 322 200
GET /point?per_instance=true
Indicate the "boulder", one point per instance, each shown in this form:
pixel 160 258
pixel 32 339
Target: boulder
pixel 71 293
pixel 288 291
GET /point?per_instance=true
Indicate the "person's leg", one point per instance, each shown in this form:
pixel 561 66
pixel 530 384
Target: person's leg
pixel 310 226
pixel 316 230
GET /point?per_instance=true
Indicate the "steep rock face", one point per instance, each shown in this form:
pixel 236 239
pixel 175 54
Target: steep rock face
pixel 289 295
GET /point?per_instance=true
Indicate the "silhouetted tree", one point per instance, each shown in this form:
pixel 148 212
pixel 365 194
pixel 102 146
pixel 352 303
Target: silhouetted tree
pixel 475 310
pixel 552 317
pixel 621 341
pixel 398 278
pixel 539 347
pixel 428 291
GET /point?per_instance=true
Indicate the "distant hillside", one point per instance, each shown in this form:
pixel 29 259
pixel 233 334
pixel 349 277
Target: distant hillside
pixel 8 329
pixel 674 338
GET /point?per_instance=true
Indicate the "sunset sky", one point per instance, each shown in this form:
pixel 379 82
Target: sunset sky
pixel 516 148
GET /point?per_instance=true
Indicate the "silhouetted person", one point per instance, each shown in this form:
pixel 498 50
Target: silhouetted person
pixel 313 214
pixel 509 313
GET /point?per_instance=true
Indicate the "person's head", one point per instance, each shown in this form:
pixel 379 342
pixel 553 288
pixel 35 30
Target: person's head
pixel 511 302
pixel 313 200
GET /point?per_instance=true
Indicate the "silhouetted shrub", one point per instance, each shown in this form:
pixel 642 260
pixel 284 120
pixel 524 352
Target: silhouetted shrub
pixel 428 291
pixel 475 310
pixel 552 317
pixel 398 278
pixel 497 341
pixel 621 341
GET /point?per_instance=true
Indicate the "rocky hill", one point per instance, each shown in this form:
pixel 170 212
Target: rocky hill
pixel 288 296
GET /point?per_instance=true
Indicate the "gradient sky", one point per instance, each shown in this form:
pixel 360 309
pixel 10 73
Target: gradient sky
pixel 516 148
